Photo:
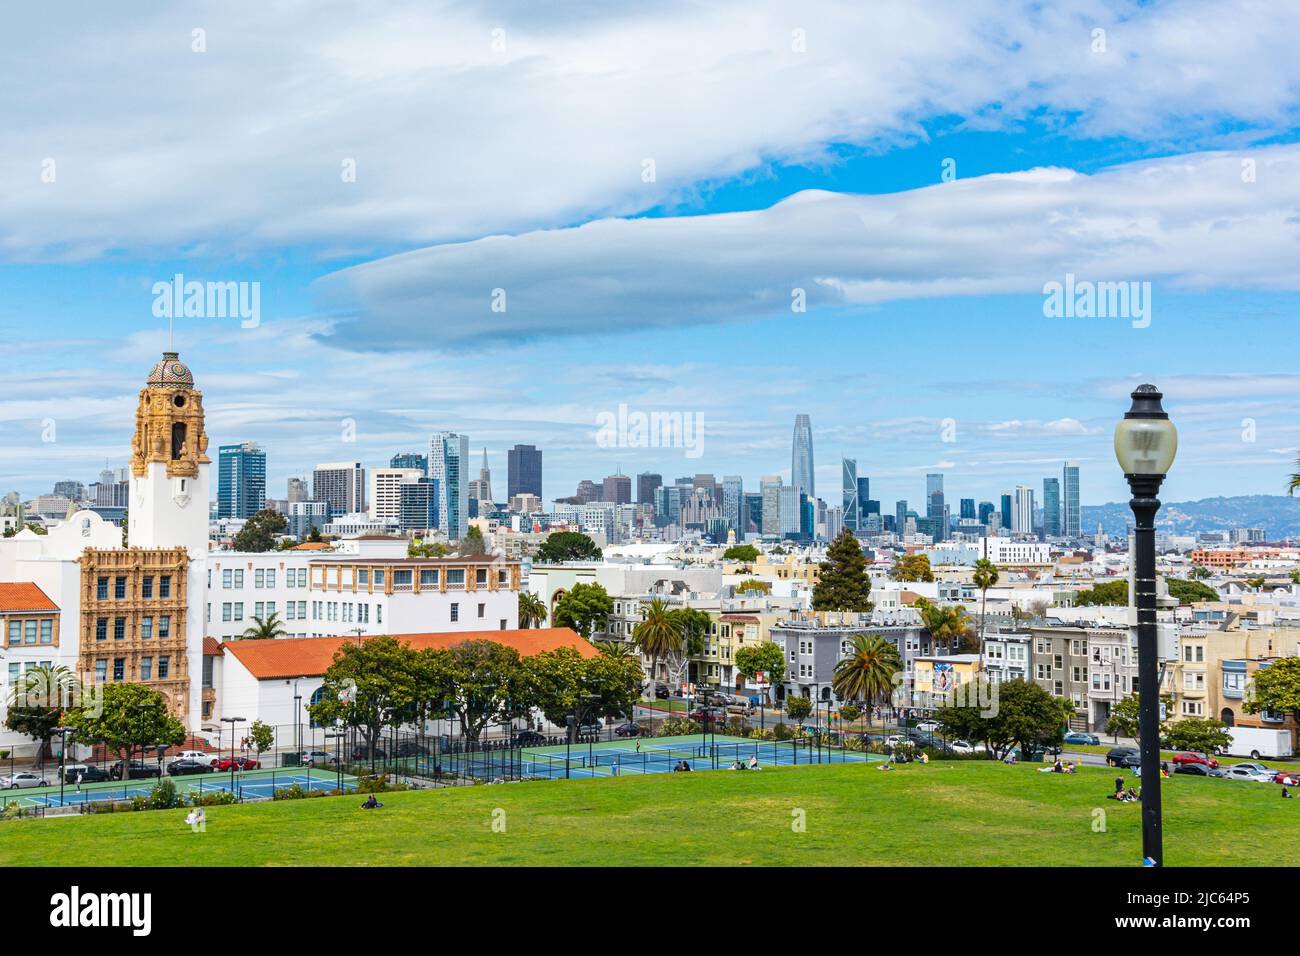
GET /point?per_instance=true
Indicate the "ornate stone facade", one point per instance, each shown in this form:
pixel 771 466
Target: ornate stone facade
pixel 169 422
pixel 134 619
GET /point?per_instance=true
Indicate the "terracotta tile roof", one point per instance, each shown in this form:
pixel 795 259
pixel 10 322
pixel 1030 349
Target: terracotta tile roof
pixel 24 596
pixel 211 647
pixel 311 656
pixel 313 546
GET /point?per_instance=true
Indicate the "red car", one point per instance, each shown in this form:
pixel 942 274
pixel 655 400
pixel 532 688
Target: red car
pixel 1290 778
pixel 239 763
pixel 1196 758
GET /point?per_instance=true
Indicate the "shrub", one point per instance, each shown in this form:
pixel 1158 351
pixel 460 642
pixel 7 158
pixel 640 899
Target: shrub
pixel 377 783
pixel 294 792
pixel 850 712
pixel 784 732
pixel 678 727
pixel 164 796
pixel 217 798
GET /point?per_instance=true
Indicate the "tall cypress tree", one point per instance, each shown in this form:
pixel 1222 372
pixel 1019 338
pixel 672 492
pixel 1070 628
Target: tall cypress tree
pixel 843 584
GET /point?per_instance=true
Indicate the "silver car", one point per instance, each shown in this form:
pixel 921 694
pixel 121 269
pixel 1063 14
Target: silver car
pixel 24 780
pixel 1241 772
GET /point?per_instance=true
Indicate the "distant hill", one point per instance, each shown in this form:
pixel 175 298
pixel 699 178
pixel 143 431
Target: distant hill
pixel 1278 515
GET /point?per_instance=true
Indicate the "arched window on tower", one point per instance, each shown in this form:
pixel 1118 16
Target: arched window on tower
pixel 178 440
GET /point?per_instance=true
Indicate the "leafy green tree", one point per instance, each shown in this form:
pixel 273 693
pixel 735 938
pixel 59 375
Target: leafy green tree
pixel 1123 720
pixel 564 546
pixel 261 531
pixel 1276 688
pixel 694 625
pixel 1188 591
pixel 1255 583
pixel 422 549
pixel 1025 715
pixel 754 586
pixel 868 673
pixel 768 657
pixel 472 545
pixel 131 715
pixel 532 610
pixel 489 685
pixel 911 567
pixel 842 581
pixel 745 553
pixel 850 712
pixel 554 682
pixel 585 608
pixel 948 624
pixel 1197 734
pixel 261 736
pixel 1199 573
pixel 368 686
pixel 798 707
pixel 657 635
pixel 616 681
pixel 1108 593
pixel 1295 577
pixel 264 629
pixel 37 701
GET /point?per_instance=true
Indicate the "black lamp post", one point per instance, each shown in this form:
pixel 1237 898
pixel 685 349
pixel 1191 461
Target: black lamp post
pixel 63 760
pixel 232 721
pixel 1145 444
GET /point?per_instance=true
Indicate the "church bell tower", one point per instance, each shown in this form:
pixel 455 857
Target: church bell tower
pixel 168 507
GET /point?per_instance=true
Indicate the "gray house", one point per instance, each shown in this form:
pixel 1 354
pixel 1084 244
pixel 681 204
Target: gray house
pixel 815 641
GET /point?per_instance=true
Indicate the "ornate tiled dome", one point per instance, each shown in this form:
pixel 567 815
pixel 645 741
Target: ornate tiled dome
pixel 171 373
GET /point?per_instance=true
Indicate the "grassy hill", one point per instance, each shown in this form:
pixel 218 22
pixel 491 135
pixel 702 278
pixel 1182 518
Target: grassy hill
pixel 943 814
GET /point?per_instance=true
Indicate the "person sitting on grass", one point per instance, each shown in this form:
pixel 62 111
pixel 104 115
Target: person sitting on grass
pixel 1286 794
pixel 371 803
pixel 753 762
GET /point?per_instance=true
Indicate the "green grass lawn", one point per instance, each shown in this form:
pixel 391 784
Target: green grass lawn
pixel 958 813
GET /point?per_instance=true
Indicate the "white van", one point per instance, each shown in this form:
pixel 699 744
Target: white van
pixel 1257 742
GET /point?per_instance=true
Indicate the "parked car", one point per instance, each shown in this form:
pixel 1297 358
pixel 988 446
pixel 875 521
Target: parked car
pixel 527 738
pixel 1078 737
pixel 139 770
pixel 182 768
pixel 707 715
pixel 199 756
pixel 1189 757
pixel 410 748
pixel 928 726
pixel 1125 757
pixel 629 729
pixel 1194 769
pixel 362 752
pixel 1244 772
pixel 1290 778
pixel 85 773
pixel 966 747
pixel 24 780
pixel 238 763
pixel 589 727
pixel 315 756
pixel 661 692
pixel 1257 767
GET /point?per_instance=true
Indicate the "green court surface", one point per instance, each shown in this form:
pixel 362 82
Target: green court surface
pixel 616 758
pixel 249 785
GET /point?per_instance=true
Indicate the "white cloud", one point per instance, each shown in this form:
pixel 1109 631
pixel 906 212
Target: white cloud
pixel 1188 221
pixel 240 147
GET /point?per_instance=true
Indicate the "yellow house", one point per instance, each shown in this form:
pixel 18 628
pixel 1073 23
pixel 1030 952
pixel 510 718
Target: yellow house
pixel 943 674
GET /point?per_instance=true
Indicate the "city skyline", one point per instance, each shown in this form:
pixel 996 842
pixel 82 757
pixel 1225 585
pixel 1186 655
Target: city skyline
pixel 1044 163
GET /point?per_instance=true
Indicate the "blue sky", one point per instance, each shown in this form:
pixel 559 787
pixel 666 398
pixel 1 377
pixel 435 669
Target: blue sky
pixel 523 168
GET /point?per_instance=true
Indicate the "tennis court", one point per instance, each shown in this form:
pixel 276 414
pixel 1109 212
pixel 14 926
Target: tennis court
pixel 249 785
pixel 664 754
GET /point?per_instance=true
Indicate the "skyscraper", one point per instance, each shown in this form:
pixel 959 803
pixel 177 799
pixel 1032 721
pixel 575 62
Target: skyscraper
pixel 801 456
pixel 733 491
pixel 1051 507
pixel 934 507
pixel 770 488
pixel 1006 510
pixel 297 490
pixel 241 480
pixel 1070 500
pixel 967 508
pixel 524 471
pixel 480 489
pixel 900 515
pixel 385 492
pixel 646 483
pixel 449 463
pixel 986 510
pixel 617 489
pixel 1022 517
pixel 410 459
pixel 849 469
pixel 341 485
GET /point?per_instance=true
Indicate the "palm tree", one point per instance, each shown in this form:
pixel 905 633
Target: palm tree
pixel 264 629
pixel 38 699
pixel 1295 480
pixel 532 610
pixel 868 673
pixel 619 650
pixel 985 576
pixel 946 623
pixel 658 635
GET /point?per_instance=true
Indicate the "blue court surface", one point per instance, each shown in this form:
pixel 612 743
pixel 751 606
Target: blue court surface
pixel 664 754
pixel 250 785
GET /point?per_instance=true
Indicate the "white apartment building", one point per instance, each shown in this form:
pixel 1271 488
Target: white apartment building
pixel 386 492
pixel 370 591
pixel 1010 551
